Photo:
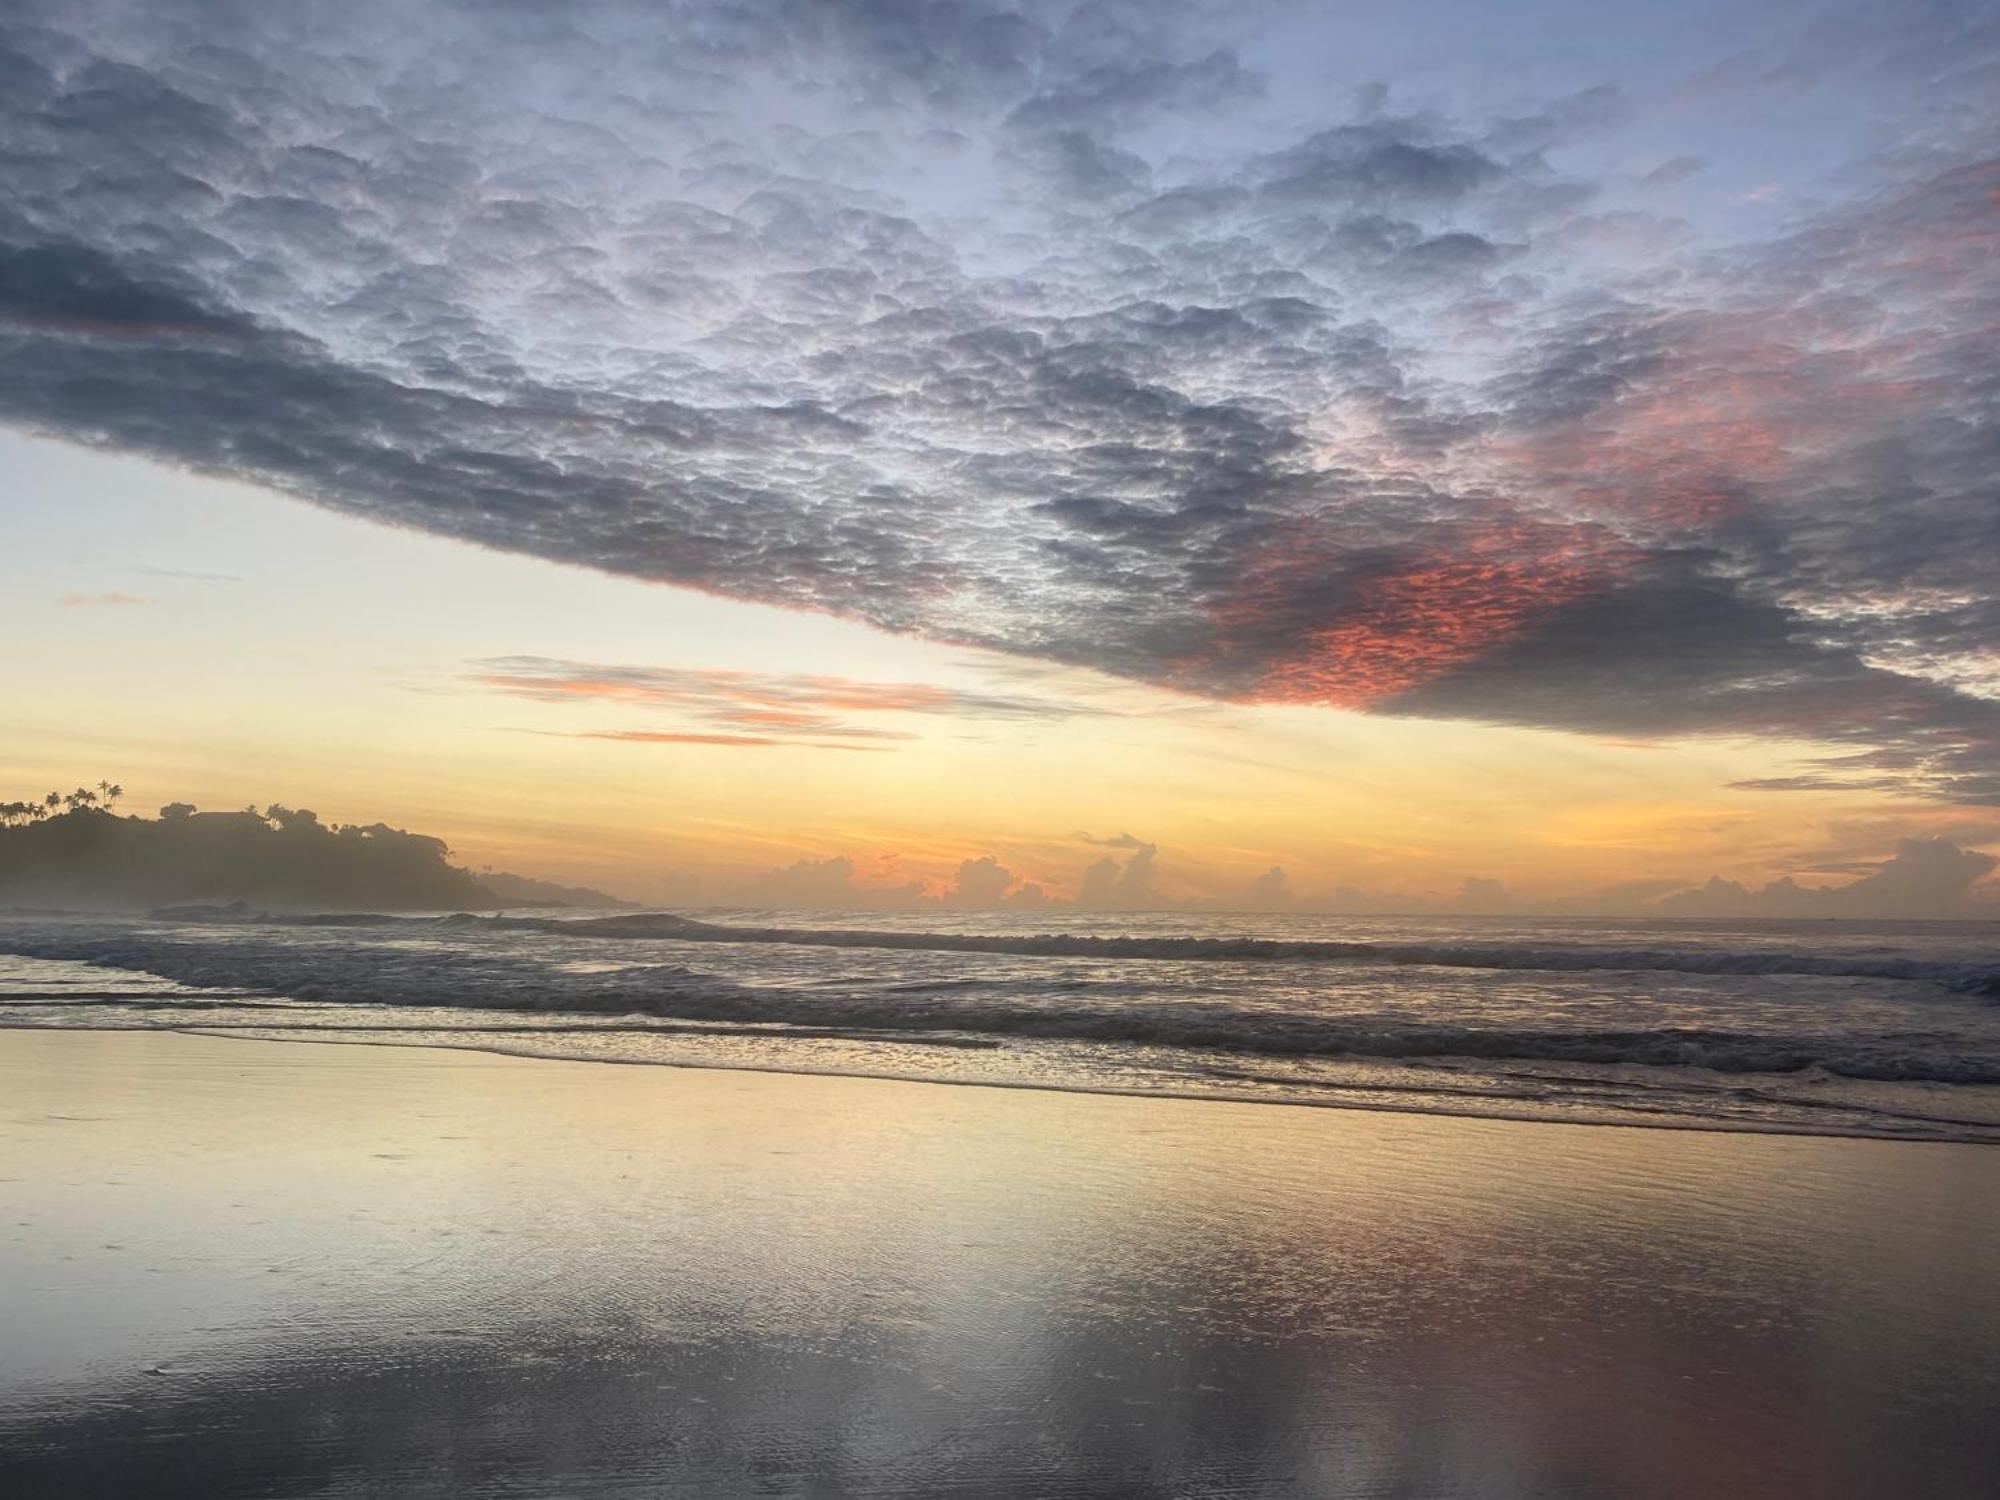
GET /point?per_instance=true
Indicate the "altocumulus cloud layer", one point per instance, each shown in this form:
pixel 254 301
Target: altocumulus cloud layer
pixel 1090 332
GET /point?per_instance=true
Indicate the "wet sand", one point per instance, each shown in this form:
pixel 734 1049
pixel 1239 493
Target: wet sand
pixel 233 1268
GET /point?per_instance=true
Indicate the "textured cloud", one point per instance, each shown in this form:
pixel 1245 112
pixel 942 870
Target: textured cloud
pixel 1064 330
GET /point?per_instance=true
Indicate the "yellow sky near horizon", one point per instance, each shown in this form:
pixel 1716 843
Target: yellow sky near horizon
pixel 201 640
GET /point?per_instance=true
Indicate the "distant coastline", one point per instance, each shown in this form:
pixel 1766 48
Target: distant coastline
pixel 75 851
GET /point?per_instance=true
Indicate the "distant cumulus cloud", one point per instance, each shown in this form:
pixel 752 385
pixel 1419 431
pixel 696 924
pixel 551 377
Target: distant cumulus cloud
pixel 982 882
pixel 834 883
pixel 1927 878
pixel 1066 331
pixel 1130 884
pixel 1271 891
pixel 1930 876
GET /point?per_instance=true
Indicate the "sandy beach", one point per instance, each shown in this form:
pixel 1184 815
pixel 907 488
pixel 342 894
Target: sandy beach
pixel 248 1268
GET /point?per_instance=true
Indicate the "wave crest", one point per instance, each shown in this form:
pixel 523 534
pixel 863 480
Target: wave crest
pixel 484 980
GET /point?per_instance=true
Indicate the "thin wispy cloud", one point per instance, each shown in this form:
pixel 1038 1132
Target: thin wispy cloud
pixel 191 575
pixel 764 708
pixel 1091 335
pixel 734 741
pixel 103 601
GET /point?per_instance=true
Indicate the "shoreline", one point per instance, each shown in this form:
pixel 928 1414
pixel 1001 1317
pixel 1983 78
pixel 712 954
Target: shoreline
pixel 1680 1124
pixel 1735 1046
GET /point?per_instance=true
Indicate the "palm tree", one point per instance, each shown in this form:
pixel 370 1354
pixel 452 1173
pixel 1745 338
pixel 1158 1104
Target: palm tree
pixel 110 792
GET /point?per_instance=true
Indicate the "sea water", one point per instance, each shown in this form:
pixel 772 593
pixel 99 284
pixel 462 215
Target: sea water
pixel 1883 1029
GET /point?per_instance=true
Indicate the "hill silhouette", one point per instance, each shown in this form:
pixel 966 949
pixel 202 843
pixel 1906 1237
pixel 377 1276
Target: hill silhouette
pixel 76 851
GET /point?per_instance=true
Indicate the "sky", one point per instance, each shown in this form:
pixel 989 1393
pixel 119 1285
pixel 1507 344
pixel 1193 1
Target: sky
pixel 1441 456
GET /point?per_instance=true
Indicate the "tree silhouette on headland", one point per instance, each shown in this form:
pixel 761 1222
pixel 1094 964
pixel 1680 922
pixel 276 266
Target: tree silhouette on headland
pixel 73 849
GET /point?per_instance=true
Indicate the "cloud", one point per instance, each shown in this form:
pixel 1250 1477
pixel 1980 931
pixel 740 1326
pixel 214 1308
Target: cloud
pixel 73 290
pixel 1065 334
pixel 982 882
pixel 1675 169
pixel 1927 878
pixel 1110 885
pixel 192 576
pixel 777 708
pixel 828 883
pixel 1885 876
pixel 1680 654
pixel 1483 896
pixel 101 601
pixel 646 737
pixel 1271 891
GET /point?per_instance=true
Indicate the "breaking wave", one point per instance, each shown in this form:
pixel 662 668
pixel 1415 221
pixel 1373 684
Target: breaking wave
pixel 1573 958
pixel 469 975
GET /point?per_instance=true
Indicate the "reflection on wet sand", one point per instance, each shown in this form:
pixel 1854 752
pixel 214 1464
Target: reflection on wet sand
pixel 242 1268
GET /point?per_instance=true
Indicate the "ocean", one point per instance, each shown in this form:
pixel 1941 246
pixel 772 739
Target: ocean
pixel 1888 1029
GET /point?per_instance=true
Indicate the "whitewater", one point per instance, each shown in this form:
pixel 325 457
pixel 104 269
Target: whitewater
pixel 1887 1029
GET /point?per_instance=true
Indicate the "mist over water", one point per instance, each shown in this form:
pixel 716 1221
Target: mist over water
pixel 1885 1029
